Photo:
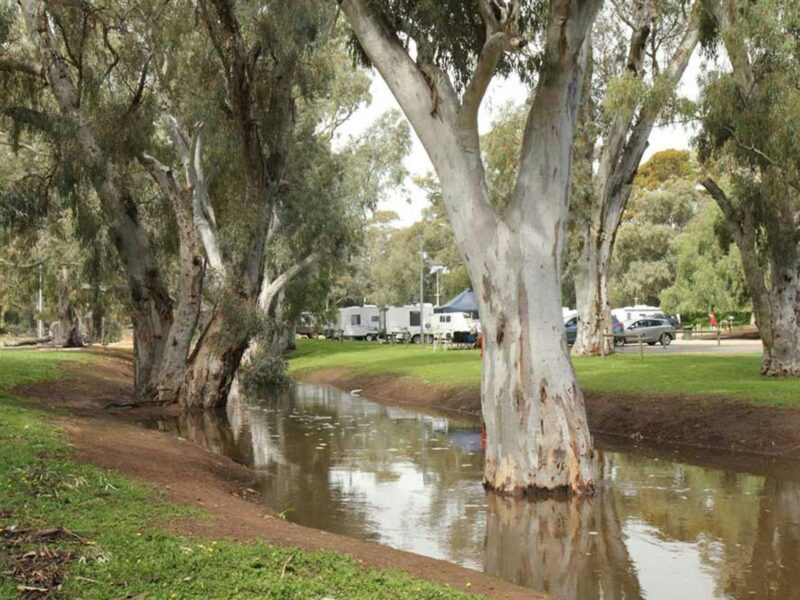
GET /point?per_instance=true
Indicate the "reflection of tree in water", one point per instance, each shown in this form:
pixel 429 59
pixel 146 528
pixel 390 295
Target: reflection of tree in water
pixel 774 570
pixel 571 548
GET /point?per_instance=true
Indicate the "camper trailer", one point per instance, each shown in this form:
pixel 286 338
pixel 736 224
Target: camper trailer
pixel 640 311
pixel 401 323
pixel 447 324
pixel 457 318
pixel 359 322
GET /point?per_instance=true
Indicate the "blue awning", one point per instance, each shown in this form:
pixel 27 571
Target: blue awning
pixel 463 302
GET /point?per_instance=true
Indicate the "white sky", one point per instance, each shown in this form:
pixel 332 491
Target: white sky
pixel 410 202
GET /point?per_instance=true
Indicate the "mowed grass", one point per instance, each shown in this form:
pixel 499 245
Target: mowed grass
pixel 110 544
pixel 731 376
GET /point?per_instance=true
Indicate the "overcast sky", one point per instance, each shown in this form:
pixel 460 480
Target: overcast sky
pixel 410 202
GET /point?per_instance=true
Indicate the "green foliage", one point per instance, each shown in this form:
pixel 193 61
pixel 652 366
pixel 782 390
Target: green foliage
pixel 730 376
pixel 387 269
pixel 707 276
pixel 665 166
pixel 117 528
pixel 502 147
pixel 750 117
pixel 263 371
pixel 671 250
pixel 451 34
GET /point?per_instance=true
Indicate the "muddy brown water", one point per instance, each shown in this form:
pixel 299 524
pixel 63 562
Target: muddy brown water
pixel 663 524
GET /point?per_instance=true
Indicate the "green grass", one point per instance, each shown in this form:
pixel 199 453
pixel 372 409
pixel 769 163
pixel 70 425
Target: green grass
pixel 116 548
pixel 731 376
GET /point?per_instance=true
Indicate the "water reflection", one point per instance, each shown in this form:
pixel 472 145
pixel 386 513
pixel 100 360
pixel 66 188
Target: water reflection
pixel 659 528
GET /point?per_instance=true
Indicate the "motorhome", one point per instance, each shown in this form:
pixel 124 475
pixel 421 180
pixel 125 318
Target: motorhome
pixel 359 322
pixel 401 323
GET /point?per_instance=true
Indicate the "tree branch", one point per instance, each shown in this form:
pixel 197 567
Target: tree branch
pixel 190 152
pixel 475 91
pixel 12 65
pixel 621 157
pixel 270 289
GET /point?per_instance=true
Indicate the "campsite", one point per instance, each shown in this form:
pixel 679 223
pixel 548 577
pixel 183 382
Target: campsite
pixel 400 299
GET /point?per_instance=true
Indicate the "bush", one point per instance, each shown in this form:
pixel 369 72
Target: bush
pixel 263 371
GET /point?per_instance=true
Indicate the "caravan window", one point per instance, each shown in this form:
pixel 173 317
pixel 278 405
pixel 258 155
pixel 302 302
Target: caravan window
pixel 375 319
pixel 444 318
pixel 355 319
pixel 414 318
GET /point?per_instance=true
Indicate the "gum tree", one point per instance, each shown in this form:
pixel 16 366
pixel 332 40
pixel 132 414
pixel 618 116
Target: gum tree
pixel 438 59
pixel 750 116
pixel 632 85
pixel 69 81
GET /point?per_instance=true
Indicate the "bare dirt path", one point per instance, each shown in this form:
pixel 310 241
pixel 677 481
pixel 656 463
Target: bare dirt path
pixel 690 421
pixel 186 473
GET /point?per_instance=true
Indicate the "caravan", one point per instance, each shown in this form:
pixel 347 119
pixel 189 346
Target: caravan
pixel 401 323
pixel 640 311
pixel 458 318
pixel 359 322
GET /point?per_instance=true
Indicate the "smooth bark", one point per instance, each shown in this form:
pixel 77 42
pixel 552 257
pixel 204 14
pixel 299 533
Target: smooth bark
pixel 537 438
pixel 622 149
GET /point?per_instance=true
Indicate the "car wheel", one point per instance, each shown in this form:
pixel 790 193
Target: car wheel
pixel 666 339
pixel 368 337
pixel 415 339
pixel 619 341
pixel 651 343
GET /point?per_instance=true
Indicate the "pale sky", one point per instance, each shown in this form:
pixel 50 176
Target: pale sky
pixel 410 202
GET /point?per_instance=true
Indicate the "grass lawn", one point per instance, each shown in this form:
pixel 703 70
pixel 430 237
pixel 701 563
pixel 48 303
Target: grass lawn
pixel 733 376
pixel 107 543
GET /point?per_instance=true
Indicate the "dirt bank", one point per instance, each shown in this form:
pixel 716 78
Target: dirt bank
pixel 93 407
pixel 690 421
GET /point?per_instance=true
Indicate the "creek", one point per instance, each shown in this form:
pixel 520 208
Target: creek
pixel 664 523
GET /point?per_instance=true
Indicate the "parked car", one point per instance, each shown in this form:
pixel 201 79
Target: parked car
pixel 652 331
pixel 571 329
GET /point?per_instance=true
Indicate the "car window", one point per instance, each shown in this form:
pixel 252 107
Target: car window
pixel 635 325
pixel 572 321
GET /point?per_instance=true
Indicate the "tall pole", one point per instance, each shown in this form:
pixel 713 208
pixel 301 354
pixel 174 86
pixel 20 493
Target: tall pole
pixel 438 271
pixel 40 307
pixel 421 290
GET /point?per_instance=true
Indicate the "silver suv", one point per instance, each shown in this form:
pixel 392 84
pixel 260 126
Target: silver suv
pixel 651 330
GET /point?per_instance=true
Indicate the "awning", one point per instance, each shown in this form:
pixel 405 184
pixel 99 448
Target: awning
pixel 463 302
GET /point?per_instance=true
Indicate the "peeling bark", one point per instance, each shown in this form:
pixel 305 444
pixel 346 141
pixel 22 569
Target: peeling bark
pixel 151 306
pixel 213 364
pixel 537 438
pixel 190 283
pixel 264 142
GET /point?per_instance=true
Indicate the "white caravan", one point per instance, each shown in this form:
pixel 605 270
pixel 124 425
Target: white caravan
pixel 640 311
pixel 360 322
pixel 446 324
pixel 402 322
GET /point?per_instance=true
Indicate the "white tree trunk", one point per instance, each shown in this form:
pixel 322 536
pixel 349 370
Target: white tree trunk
pixel 591 298
pixel 537 437
pixel 624 145
pixel 536 429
